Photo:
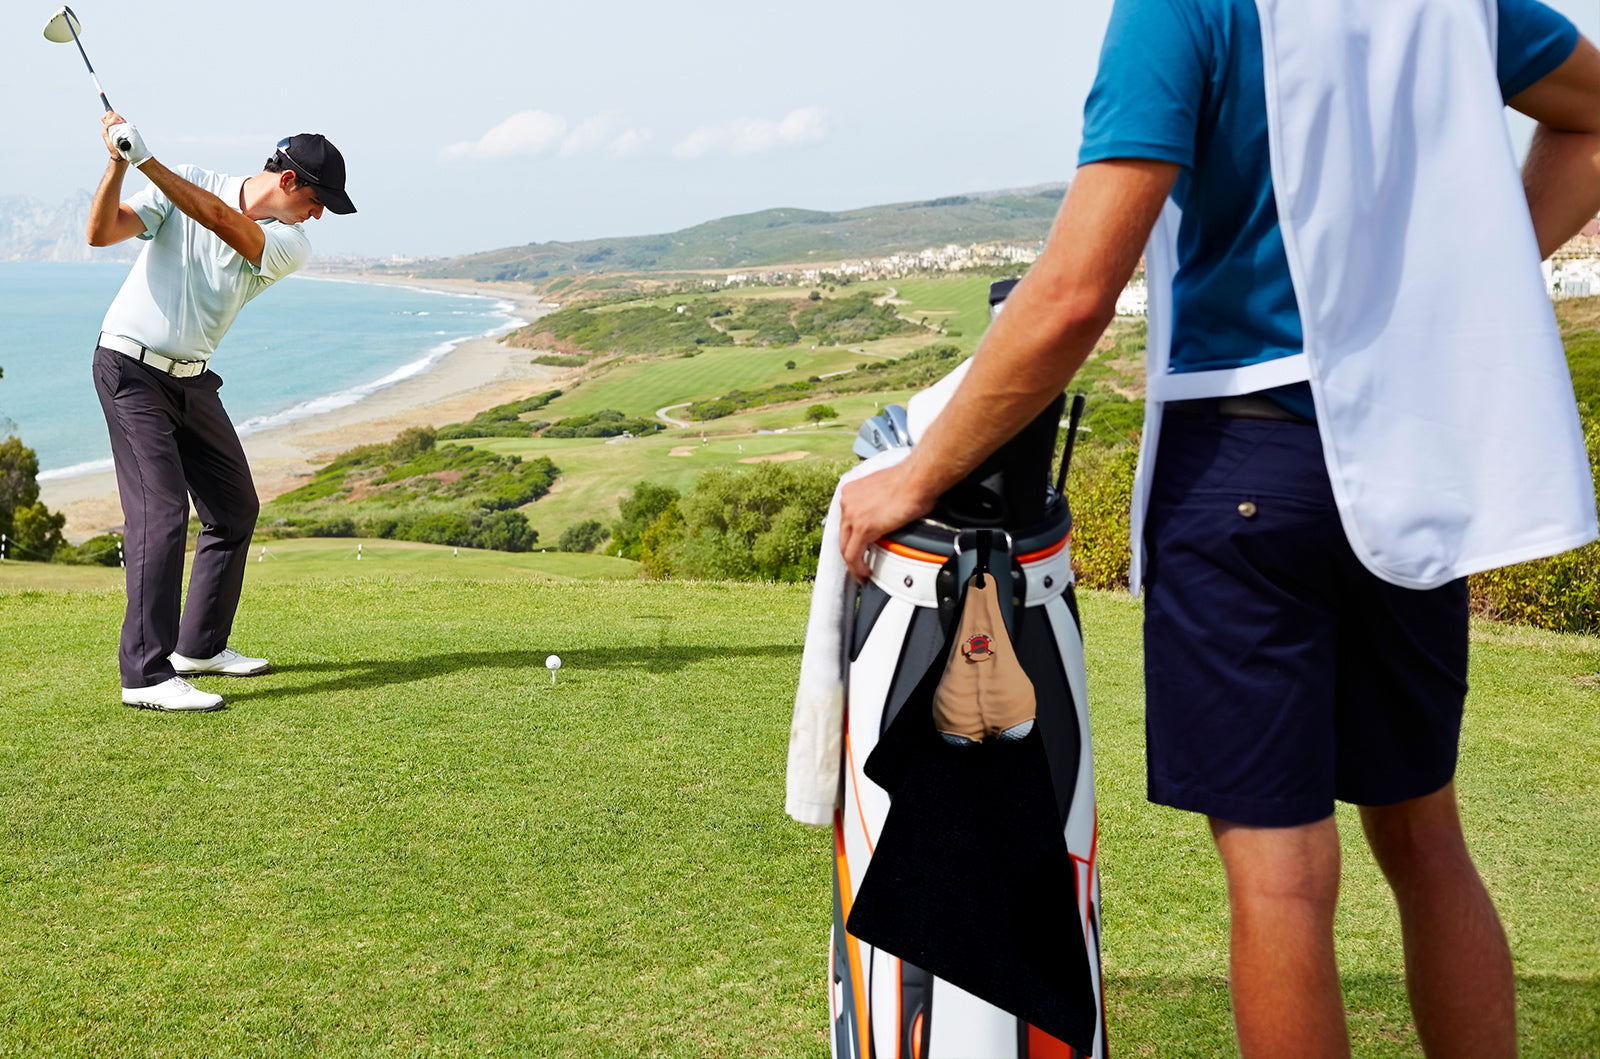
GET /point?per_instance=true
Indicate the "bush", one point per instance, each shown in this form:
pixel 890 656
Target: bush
pixel 338 526
pixel 1100 489
pixel 96 551
pixel 762 524
pixel 637 513
pixel 440 529
pixel 505 531
pixel 582 537
pixel 409 444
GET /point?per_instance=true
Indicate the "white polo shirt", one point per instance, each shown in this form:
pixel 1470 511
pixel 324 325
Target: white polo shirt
pixel 188 285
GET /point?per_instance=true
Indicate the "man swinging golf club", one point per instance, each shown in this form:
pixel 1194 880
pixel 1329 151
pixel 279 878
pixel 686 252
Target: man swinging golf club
pixel 213 242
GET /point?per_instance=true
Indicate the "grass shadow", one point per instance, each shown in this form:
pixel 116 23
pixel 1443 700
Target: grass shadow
pixel 381 672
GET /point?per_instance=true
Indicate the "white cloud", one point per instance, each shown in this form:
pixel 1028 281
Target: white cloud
pixel 523 134
pixel 588 136
pixel 628 143
pixel 755 135
pixel 533 132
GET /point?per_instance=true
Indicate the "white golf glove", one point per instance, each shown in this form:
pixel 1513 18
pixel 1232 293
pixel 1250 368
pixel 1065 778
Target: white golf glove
pixel 135 151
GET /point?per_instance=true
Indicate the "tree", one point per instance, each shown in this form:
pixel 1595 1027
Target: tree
pixel 36 533
pixel 819 413
pixel 637 513
pixel 19 485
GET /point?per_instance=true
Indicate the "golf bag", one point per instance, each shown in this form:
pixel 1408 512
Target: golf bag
pixel 989 874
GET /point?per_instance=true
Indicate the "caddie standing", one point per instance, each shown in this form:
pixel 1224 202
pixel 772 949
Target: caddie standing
pixel 213 242
pixel 1356 397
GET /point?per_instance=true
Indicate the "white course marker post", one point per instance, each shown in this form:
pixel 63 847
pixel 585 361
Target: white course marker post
pixel 2 547
pixel 358 553
pixel 122 560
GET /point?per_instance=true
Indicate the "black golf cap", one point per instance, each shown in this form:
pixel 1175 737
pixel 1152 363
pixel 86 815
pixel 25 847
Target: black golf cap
pixel 318 163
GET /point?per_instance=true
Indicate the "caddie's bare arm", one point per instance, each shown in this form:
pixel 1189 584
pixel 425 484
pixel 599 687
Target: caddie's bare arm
pixel 1050 324
pixel 210 212
pixel 110 219
pixel 1562 172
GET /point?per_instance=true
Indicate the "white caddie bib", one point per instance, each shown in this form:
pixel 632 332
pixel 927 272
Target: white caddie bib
pixel 1443 399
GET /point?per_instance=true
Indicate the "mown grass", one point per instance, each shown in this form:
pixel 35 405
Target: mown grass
pixel 406 841
pixel 641 387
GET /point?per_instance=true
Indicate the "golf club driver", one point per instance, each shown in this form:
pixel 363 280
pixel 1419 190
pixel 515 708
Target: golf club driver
pixel 64 26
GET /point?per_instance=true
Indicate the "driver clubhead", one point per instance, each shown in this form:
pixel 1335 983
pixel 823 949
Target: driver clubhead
pixel 875 436
pixel 62 26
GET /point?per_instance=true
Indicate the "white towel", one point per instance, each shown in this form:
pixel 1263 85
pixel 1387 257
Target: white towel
pixel 816 735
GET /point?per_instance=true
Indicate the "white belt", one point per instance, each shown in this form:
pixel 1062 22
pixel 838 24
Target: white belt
pixel 182 369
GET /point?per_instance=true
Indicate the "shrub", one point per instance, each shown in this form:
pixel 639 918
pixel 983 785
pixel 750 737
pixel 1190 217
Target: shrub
pixel 582 537
pixel 96 551
pixel 338 526
pixel 761 524
pixel 409 444
pixel 637 513
pixel 505 531
pixel 1100 489
pixel 439 529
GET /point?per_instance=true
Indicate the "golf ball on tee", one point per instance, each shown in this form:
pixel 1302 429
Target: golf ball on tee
pixel 552 662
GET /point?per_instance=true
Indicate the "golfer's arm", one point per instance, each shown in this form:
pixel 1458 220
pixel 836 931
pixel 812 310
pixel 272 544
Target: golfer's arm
pixel 208 211
pixel 110 220
pixel 1561 175
pixel 1051 321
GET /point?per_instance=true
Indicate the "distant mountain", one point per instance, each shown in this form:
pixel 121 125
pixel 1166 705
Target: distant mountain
pixel 777 237
pixel 31 230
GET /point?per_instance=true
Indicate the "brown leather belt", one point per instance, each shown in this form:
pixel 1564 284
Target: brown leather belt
pixel 1244 406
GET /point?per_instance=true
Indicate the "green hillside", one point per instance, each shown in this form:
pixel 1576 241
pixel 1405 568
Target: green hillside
pixel 778 236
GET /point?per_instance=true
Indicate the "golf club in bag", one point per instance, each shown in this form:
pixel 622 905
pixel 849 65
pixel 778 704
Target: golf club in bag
pixel 64 26
pixel 977 864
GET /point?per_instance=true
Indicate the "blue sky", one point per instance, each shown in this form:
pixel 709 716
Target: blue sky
pixel 473 126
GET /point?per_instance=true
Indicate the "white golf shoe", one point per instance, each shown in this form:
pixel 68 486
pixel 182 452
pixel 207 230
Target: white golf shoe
pixel 173 696
pixel 227 663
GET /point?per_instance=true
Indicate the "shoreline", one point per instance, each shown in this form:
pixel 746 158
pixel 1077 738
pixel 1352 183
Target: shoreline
pixel 476 375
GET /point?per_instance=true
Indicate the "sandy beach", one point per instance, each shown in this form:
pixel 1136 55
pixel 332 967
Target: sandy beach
pixel 478 374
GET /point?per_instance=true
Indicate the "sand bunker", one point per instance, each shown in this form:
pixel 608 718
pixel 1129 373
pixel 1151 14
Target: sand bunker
pixel 778 457
pixel 682 450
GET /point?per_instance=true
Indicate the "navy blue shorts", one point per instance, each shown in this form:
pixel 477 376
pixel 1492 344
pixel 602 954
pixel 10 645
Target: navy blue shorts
pixel 1280 674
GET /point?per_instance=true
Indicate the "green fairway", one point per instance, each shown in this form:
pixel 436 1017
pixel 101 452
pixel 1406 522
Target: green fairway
pixel 641 387
pixel 597 472
pixel 956 302
pixel 405 841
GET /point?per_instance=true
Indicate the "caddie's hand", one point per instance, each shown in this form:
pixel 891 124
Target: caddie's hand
pixel 877 504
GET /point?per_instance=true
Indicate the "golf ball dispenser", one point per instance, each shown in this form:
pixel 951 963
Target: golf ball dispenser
pixel 976 863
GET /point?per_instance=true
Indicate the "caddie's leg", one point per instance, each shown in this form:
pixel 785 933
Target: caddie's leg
pixel 142 409
pixel 225 499
pixel 1283 889
pixel 1458 965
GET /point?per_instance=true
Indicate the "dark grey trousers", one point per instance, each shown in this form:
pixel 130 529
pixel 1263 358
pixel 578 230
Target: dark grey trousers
pixel 171 440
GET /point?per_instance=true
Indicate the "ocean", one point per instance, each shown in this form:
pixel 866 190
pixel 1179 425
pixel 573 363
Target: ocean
pixel 305 346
